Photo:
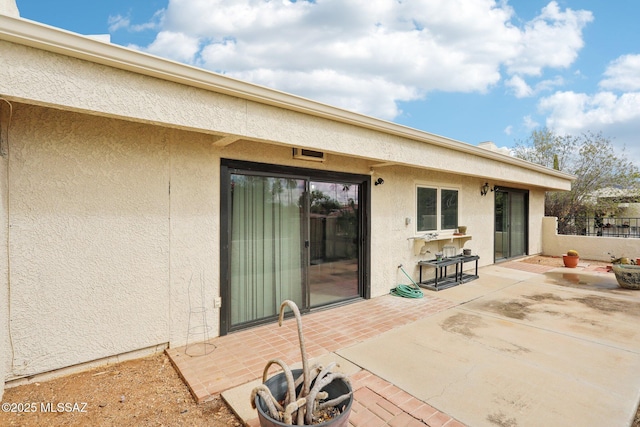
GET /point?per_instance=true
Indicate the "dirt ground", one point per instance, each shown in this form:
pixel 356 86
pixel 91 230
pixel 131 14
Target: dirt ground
pixel 544 260
pixel 557 261
pixel 142 392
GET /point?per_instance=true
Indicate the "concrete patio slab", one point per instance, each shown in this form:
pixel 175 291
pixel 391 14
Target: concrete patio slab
pixel 607 319
pixel 564 361
pixel 488 283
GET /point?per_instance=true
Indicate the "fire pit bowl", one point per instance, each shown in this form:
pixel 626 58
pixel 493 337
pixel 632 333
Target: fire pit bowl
pixel 628 276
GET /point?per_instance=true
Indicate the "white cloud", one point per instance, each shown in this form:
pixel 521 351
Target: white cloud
pixel 571 112
pixel 519 87
pixel 616 116
pixel 552 39
pixel 118 22
pixel 623 74
pixel 529 123
pixel 367 55
pixel 176 46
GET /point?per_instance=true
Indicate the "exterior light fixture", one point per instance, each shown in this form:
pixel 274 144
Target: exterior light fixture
pixel 484 189
pixel 379 181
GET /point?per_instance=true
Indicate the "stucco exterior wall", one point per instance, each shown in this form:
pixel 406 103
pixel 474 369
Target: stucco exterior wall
pixel 392 238
pixel 194 243
pixel 392 203
pixel 126 220
pixel 5 344
pixel 88 240
pixel 536 213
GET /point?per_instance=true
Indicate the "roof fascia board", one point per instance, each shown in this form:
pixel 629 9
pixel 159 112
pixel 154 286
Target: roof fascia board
pixel 44 37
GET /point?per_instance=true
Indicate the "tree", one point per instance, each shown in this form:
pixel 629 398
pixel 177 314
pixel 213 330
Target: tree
pixel 591 158
pixel 322 203
pixel 547 149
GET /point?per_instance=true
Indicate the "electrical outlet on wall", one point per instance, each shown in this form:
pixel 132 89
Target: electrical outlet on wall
pixel 217 302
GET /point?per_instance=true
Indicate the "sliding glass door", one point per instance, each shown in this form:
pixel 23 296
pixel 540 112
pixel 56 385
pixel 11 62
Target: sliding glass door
pixel 510 223
pixel 289 233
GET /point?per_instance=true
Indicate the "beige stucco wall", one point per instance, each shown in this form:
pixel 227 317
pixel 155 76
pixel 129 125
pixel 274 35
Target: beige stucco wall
pixel 395 201
pixel 114 237
pixel 5 344
pixel 88 239
pixel 536 212
pixel 7 7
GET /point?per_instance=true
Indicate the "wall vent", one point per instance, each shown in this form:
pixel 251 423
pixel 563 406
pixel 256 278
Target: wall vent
pixel 304 154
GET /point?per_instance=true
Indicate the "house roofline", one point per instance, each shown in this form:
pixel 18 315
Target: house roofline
pixel 34 34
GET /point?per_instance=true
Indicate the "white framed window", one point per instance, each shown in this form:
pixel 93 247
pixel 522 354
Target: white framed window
pixel 436 208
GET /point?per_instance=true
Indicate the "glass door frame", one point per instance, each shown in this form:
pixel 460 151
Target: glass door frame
pixel 507 192
pixel 229 167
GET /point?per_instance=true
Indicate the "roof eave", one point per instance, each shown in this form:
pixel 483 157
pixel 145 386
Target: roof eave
pixel 47 38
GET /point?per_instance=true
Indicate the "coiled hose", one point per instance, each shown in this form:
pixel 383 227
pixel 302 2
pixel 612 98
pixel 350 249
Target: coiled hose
pixel 407 291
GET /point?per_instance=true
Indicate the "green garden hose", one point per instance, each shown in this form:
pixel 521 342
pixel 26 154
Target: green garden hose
pixel 407 291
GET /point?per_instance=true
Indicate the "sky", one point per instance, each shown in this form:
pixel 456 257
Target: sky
pixel 469 70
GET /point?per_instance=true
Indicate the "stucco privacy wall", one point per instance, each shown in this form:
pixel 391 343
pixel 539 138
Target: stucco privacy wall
pixel 597 248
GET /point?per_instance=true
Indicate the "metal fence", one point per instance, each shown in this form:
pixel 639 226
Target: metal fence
pixel 595 226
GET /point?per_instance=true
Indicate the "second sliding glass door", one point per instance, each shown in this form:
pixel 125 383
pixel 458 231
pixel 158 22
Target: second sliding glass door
pixel 510 223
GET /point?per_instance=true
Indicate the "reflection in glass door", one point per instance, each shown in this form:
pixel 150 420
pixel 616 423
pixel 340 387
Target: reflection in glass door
pixel 518 229
pixel 501 225
pixel 333 237
pixel 510 223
